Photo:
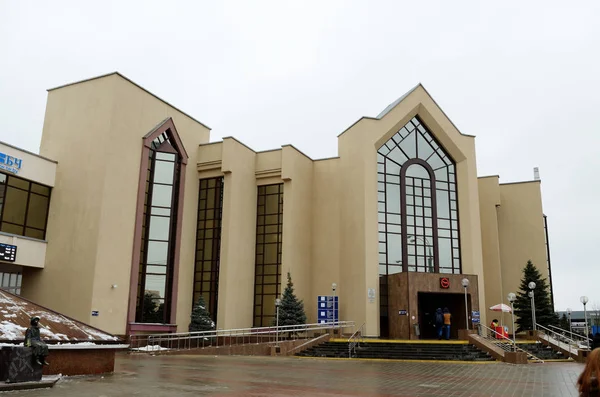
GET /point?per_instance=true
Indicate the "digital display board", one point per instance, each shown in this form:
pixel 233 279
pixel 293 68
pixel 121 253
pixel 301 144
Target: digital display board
pixel 8 253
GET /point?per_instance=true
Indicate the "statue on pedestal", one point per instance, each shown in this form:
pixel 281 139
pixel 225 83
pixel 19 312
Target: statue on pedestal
pixel 33 340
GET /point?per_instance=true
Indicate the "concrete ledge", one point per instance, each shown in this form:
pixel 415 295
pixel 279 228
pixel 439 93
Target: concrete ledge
pixel 45 383
pixel 515 357
pixel 481 344
pixel 80 362
pixel 582 355
pixel 463 334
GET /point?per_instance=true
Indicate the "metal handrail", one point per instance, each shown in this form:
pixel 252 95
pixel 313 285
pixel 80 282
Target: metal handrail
pixel 502 342
pixel 355 339
pixel 229 337
pixel 561 339
pixel 292 352
pixel 561 332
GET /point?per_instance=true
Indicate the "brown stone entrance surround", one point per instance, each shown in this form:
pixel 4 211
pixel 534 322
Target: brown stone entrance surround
pixel 406 290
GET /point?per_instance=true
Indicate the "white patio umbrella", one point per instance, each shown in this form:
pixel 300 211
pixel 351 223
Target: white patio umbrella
pixel 501 307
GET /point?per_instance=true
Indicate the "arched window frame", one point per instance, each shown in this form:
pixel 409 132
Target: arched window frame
pixel 397 154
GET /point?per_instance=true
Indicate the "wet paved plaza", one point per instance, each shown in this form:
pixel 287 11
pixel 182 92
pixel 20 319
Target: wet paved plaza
pixel 266 376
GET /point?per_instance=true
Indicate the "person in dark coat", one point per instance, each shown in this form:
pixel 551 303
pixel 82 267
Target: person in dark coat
pixel 596 341
pixel 439 322
pixel 34 340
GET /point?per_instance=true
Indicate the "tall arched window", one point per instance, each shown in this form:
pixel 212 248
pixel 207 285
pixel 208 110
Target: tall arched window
pixel 418 209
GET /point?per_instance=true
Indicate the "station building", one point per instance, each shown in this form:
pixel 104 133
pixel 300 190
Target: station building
pixel 130 214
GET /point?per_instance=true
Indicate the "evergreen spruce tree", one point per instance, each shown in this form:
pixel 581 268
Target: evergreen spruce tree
pixel 564 322
pixel 543 307
pixel 291 311
pixel 201 320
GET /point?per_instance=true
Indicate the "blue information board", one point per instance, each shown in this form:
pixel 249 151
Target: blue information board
pixel 327 309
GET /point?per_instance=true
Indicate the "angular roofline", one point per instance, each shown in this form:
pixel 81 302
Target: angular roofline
pixel 135 84
pixel 397 102
pixel 518 183
pixel 270 150
pixel 28 152
pixel 488 176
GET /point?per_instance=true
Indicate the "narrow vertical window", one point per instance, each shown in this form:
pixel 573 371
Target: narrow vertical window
pixel 269 231
pixel 208 243
pixel 155 280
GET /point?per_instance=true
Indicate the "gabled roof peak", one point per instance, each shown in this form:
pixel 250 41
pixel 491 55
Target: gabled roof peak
pixel 135 84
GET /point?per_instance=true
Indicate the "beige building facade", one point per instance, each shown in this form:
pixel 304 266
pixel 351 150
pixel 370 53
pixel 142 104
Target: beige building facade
pixel 146 215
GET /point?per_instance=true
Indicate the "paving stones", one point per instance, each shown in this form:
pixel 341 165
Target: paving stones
pixel 162 376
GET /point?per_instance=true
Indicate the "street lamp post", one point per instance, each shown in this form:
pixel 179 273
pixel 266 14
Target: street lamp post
pixel 277 304
pixel 512 297
pixel 430 253
pixel 584 299
pixel 532 286
pixel 569 311
pixel 333 288
pixel 465 284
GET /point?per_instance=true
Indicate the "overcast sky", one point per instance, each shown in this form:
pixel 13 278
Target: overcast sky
pixel 521 76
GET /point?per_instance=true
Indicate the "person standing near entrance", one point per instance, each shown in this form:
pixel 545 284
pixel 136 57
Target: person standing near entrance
pixel 447 322
pixel 439 322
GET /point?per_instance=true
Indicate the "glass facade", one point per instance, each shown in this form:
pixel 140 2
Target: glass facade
pixel 208 243
pixel 417 207
pixel 269 230
pixel 11 282
pixel 23 207
pixel 155 279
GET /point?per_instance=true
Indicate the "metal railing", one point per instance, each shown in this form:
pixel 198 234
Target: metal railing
pixel 580 341
pixel 559 338
pixel 229 337
pixel 502 342
pixel 354 340
pixel 302 346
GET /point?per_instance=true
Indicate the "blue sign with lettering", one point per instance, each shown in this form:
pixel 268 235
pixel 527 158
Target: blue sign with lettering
pixel 475 317
pixel 10 163
pixel 95 313
pixel 327 309
pixel 8 253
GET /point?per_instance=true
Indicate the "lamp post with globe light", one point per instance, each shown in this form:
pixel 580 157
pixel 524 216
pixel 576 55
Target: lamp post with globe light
pixel 532 286
pixel 413 239
pixel 512 297
pixel 584 299
pixel 465 284
pixel 569 311
pixel 277 304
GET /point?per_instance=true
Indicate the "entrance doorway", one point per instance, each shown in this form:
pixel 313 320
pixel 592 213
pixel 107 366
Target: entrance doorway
pixel 429 302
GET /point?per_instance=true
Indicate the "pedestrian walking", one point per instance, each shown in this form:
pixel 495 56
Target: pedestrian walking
pixel 447 322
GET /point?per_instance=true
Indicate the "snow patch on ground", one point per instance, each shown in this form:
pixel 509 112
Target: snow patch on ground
pixel 10 315
pixel 150 348
pixel 11 331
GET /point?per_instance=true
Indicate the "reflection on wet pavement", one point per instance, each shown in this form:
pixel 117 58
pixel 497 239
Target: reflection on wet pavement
pixel 158 376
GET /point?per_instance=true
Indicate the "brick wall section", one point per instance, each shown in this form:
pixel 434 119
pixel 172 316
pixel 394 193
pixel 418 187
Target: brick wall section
pixel 80 362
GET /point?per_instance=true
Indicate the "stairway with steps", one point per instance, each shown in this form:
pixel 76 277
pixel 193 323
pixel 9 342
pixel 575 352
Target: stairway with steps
pixel 541 351
pixel 400 351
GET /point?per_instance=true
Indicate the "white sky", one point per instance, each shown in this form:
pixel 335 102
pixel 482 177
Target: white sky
pixel 521 76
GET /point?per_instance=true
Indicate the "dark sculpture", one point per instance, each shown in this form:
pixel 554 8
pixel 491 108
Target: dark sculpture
pixel 33 340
